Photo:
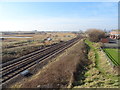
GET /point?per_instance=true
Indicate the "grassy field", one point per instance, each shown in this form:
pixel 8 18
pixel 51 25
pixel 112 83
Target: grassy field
pixel 113 55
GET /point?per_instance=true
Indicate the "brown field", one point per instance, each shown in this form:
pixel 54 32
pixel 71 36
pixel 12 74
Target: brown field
pixel 16 47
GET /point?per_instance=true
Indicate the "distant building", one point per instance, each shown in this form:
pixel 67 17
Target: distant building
pixel 114 34
pixel 108 40
pixel 49 39
pixel 105 40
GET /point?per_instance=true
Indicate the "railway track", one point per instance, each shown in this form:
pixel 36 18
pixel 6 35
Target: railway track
pixel 13 68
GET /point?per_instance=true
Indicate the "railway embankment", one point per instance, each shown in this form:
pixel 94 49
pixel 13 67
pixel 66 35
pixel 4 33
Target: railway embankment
pixel 60 72
pixel 100 73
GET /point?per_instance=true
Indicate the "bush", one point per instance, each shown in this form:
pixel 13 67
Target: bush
pixel 95 35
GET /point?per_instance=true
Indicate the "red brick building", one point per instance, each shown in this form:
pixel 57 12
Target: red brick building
pixel 114 34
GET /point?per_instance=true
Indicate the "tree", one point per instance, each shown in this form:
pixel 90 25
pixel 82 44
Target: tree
pixel 95 34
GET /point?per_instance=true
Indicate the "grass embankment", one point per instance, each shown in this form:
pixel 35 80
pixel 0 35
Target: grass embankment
pixel 100 73
pixel 113 55
pixel 60 72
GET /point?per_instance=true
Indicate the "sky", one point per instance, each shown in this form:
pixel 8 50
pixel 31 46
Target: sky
pixel 58 16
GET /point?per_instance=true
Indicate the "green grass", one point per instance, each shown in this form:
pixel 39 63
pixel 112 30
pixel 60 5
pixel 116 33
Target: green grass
pixel 97 57
pixel 113 55
pixel 95 51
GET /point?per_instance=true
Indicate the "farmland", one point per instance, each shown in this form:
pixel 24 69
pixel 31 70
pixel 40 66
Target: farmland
pixel 113 55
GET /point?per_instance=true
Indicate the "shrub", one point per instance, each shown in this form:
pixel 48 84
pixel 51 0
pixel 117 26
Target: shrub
pixel 95 35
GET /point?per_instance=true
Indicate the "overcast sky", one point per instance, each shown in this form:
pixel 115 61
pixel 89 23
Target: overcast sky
pixel 58 16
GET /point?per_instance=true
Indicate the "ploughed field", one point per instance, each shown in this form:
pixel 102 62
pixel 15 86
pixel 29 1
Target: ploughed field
pixel 13 48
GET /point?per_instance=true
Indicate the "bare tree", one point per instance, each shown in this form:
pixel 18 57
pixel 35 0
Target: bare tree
pixel 95 34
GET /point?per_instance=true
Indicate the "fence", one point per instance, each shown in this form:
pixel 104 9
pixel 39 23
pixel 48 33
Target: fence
pixel 108 45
